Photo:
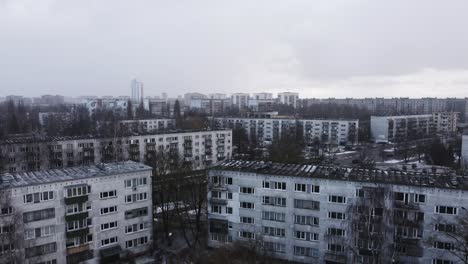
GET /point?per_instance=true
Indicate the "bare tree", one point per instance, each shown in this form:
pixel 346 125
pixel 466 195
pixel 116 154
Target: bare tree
pixel 11 238
pixel 452 236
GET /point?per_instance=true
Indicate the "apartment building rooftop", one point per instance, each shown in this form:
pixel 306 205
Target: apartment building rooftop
pixel 43 138
pixel 423 179
pixel 31 178
pixel 289 118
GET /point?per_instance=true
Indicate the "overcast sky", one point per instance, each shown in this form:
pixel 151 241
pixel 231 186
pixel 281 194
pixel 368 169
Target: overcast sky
pixel 349 48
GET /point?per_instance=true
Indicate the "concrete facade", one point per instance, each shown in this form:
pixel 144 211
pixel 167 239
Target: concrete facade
pixel 80 215
pixel 338 132
pixel 314 214
pixel 396 128
pixel 201 148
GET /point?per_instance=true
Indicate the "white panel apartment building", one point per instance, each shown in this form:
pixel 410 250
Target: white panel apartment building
pixel 92 214
pixel 288 98
pixel 149 125
pixel 315 214
pixel 201 148
pixel 394 128
pixel 337 132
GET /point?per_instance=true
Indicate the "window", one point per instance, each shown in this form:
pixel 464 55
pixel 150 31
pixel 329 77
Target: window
pixel 336 215
pixel 79 240
pixel 336 199
pixel 38 197
pixel 247 205
pixel 442 261
pixel 449 228
pixel 136 197
pixel 246 234
pixel 38 215
pixel 108 194
pixel 307 204
pixel 136 242
pixel 274 185
pixel 444 245
pixel 376 211
pixel 274 231
pixel 360 193
pixel 247 190
pixel 228 210
pixel 419 198
pixel 6 210
pixel 136 213
pixel 335 248
pixel 215 194
pixel 137 227
pixel 305 251
pixel 306 220
pixel 78 224
pixel 274 216
pixel 109 210
pixel 229 181
pixel 77 208
pixel 6 229
pixel 274 246
pixel 135 182
pixel 78 191
pixel 308 236
pixel 276 201
pixel 109 241
pixel 247 220
pixel 216 209
pixel 40 250
pixel 315 188
pixel 446 210
pixel 332 231
pixel 300 187
pixel 110 225
pixel 399 196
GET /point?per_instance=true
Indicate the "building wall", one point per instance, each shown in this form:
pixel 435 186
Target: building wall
pixel 418 249
pixel 396 128
pixel 267 129
pixel 201 148
pixel 59 221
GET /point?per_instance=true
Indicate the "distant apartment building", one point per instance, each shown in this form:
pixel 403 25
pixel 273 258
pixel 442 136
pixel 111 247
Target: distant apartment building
pixel 44 117
pixel 240 100
pixel 188 97
pixel 397 128
pixel 289 98
pixel 200 148
pixel 261 102
pixel 148 125
pixel 157 106
pixel 401 106
pixel 117 106
pixel 446 121
pixel 218 96
pixel 137 88
pixel 209 106
pixel 321 214
pixel 266 130
pixel 92 214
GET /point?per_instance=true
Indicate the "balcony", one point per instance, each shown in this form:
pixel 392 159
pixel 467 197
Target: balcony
pixel 80 257
pixel 78 233
pixel 76 199
pixel 219 187
pixel 75 217
pixel 78 249
pixel 218 201
pixel 335 257
pixel 403 205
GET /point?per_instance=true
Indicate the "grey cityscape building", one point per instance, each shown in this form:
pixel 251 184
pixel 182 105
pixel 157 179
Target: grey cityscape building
pixel 88 214
pixel 328 214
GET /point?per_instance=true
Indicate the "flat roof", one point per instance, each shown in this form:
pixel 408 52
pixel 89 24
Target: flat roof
pixel 42 138
pixel 278 118
pixel 23 179
pixel 410 178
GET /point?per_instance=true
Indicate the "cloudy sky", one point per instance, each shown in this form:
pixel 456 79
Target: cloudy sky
pixel 348 48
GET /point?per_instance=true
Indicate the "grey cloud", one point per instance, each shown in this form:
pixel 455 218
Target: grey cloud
pixel 96 47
